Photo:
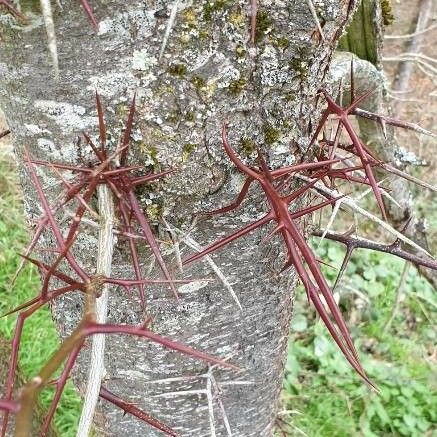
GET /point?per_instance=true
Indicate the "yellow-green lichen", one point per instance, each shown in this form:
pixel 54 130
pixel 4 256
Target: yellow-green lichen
pixel 189 116
pixel 282 42
pixel 174 116
pixel 203 34
pixel 150 154
pixel 238 19
pixel 121 110
pixel 299 66
pixel 271 134
pixel 247 146
pixel 184 39
pixel 290 96
pixel 263 24
pixel 387 12
pixel 154 212
pixel 177 70
pixel 204 88
pixel 190 17
pixel 198 82
pixel 240 51
pixel 187 150
pixel 214 6
pixel 236 86
pixel 164 90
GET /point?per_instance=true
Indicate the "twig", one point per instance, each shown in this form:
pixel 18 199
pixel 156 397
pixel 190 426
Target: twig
pixel 363 243
pixel 104 263
pixel 337 206
pixel 424 68
pixel 31 390
pixel 407 176
pixel 217 390
pixel 316 18
pixel 411 35
pixel 51 34
pixel 190 242
pixel 176 245
pixel 389 120
pixel 4 133
pixel 210 404
pixel 320 188
pixel 406 67
pixel 335 210
pixel 169 28
pixel 420 59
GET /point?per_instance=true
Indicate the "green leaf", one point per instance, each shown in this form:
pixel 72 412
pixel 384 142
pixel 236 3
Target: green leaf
pixel 369 274
pixel 321 346
pixel 335 254
pixel 380 411
pixel 299 323
pixel 409 420
pixel 407 391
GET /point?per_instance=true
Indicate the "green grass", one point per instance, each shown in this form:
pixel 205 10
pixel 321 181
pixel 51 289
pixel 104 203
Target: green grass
pixel 323 397
pixel 39 339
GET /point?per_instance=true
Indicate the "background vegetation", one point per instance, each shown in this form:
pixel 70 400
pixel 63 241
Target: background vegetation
pixel 322 395
pixel 39 338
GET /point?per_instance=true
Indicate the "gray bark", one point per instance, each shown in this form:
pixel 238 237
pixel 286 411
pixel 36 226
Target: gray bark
pixel 209 73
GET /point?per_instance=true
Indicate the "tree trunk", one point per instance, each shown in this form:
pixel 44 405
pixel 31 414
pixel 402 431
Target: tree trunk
pixel 209 73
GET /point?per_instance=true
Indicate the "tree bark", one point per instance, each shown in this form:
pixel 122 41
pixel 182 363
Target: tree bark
pixel 209 73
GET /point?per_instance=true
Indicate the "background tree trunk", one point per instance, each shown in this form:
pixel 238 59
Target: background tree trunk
pixel 209 73
pixel 370 18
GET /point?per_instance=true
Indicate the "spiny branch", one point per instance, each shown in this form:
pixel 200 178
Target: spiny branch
pixel 130 408
pixel 353 243
pixel 297 247
pixel 108 181
pixel 324 191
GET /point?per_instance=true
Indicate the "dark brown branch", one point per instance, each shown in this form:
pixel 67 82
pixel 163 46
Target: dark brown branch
pixel 4 133
pixel 395 248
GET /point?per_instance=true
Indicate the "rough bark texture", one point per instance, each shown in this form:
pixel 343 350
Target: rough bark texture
pixel 209 73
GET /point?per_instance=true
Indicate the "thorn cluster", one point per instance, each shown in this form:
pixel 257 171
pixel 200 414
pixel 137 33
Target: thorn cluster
pixel 112 170
pixel 299 253
pixel 357 147
pixel 329 168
